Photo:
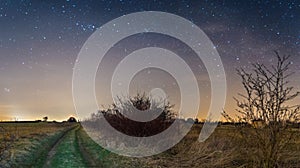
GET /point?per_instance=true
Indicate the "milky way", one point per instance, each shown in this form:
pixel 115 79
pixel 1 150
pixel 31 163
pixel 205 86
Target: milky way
pixel 40 41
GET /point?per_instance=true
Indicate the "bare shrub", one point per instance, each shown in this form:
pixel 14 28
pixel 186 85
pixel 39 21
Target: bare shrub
pixel 116 118
pixel 266 100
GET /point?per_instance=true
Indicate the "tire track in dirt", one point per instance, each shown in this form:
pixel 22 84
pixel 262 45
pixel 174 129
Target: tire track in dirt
pixel 52 152
pixel 65 152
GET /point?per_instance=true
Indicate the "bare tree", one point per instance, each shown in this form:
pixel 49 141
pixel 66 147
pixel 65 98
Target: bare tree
pixel 267 100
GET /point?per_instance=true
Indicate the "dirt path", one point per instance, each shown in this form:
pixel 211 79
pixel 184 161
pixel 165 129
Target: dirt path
pixel 66 152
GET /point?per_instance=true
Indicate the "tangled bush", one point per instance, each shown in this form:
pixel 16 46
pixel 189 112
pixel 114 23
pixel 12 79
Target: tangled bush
pixel 117 118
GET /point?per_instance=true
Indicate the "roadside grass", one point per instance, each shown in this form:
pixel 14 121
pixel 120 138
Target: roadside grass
pixel 102 157
pixel 216 151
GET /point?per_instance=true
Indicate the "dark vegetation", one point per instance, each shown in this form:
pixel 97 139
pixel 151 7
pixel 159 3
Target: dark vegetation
pixel 116 118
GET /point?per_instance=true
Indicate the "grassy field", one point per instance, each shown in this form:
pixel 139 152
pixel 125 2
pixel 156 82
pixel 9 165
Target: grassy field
pixel 68 145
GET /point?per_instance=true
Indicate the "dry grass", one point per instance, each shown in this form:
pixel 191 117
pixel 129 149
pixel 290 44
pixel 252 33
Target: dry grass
pixel 223 149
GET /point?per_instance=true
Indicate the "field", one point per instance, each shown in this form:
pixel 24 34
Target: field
pixel 67 145
pixel 27 144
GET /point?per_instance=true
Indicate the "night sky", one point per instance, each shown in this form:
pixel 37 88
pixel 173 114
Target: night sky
pixel 40 41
